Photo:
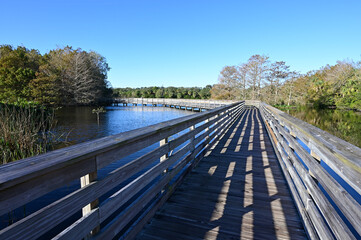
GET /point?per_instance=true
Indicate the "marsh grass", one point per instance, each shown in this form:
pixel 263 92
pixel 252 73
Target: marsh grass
pixel 25 131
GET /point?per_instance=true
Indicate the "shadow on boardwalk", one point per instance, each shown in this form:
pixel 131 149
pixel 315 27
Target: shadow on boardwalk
pixel 236 192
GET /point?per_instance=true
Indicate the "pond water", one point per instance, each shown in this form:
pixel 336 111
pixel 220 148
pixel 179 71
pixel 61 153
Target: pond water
pixel 79 124
pixel 340 123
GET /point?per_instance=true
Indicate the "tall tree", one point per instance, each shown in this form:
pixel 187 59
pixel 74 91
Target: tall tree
pixel 290 85
pixel 228 79
pixel 90 73
pixel 279 72
pixel 243 72
pixel 258 66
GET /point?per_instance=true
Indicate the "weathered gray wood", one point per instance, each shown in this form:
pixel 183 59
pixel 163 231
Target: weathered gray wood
pixel 157 132
pixel 40 169
pixel 350 208
pixel 134 209
pixel 126 193
pixel 129 214
pixel 341 156
pixel 84 181
pixel 317 221
pixel 118 199
pixel 80 228
pixel 199 142
pixel 180 165
pixel 313 220
pixel 152 210
pixel 44 182
pixel 347 204
pixel 68 205
pixel 196 202
pixel 178 103
pixel 82 198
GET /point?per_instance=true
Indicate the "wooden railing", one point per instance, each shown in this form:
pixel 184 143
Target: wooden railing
pixel 142 185
pixel 323 172
pixel 186 103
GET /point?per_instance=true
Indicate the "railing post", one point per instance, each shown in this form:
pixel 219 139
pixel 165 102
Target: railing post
pixel 191 128
pixel 206 121
pixel 84 181
pixel 165 156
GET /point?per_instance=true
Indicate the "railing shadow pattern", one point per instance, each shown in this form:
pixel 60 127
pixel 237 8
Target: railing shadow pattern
pixel 236 191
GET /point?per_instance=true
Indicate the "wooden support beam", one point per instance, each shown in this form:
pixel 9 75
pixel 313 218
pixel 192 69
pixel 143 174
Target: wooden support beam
pixel 85 181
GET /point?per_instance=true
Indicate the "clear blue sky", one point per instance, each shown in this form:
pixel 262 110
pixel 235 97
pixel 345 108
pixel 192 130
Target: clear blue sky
pixel 187 42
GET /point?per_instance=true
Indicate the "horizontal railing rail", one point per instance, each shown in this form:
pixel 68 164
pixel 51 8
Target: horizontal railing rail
pixel 323 172
pixel 141 185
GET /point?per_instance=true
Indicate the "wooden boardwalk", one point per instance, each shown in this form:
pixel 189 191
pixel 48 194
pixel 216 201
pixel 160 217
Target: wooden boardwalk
pixel 236 192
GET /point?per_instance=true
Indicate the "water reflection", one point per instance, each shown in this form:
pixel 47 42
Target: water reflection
pixel 79 124
pixel 341 123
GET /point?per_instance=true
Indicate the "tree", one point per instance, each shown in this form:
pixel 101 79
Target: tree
pixel 205 92
pixel 258 65
pixel 90 73
pixel 219 92
pixel 243 71
pixel 159 93
pixel 228 83
pixel 18 68
pixel 71 77
pixel 290 85
pixel 279 72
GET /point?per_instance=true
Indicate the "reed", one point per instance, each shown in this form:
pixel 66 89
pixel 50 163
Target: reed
pixel 25 131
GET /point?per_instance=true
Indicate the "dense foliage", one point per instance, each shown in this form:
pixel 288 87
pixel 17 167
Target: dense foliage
pixel 273 82
pixel 165 92
pixel 64 76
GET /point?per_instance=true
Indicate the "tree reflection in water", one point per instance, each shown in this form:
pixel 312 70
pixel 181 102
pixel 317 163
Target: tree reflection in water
pixel 340 123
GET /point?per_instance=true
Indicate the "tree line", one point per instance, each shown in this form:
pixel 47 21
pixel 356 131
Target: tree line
pixel 165 92
pixel 64 76
pixel 275 83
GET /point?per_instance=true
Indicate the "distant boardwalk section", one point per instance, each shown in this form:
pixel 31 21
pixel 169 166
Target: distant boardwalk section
pixel 184 104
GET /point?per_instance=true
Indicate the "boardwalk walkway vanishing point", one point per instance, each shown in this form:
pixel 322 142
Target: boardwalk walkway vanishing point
pixel 236 192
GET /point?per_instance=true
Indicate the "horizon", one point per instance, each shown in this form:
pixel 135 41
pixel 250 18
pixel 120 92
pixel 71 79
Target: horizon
pixel 167 44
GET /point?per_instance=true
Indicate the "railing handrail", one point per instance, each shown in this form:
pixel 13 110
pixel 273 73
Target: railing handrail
pixel 28 179
pixel 337 153
pixel 315 190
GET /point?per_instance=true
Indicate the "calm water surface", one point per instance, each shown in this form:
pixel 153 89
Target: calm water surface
pixel 79 124
pixel 340 123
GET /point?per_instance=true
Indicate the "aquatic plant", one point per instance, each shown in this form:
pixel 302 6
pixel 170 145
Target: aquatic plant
pixel 25 131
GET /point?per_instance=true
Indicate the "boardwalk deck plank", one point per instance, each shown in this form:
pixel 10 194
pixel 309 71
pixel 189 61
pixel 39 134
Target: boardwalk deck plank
pixel 236 192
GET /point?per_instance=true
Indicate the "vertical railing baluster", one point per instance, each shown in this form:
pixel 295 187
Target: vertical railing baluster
pixel 84 181
pixel 191 128
pixel 165 156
